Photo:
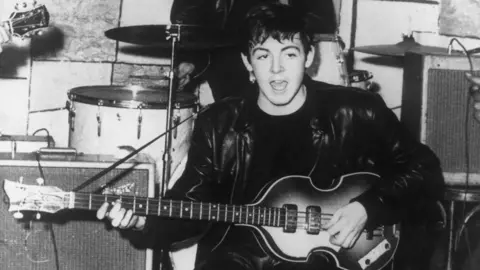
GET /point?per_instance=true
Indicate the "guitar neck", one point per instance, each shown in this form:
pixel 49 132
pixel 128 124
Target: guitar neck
pixel 238 214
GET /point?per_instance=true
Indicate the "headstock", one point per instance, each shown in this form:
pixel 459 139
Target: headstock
pixel 23 197
pixel 27 19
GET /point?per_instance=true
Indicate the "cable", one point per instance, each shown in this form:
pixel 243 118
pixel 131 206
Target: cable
pixel 50 141
pixel 467 144
pixel 50 224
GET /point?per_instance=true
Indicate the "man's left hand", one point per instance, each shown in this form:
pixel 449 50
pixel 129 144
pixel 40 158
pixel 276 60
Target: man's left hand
pixel 347 224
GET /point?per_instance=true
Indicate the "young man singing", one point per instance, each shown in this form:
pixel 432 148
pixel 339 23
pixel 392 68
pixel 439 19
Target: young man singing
pixel 289 125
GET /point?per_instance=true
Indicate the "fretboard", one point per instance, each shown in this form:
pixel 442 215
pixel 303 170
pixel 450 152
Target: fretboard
pixel 239 214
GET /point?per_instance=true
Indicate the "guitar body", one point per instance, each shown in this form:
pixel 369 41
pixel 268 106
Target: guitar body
pixel 287 218
pixel 367 253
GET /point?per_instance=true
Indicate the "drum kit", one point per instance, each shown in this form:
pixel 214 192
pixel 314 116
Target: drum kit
pixel 106 119
pixel 109 119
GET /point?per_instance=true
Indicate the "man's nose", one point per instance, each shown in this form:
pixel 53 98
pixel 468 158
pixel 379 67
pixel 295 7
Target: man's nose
pixel 277 65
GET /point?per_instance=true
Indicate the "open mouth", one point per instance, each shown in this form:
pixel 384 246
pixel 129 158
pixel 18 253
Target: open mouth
pixel 279 85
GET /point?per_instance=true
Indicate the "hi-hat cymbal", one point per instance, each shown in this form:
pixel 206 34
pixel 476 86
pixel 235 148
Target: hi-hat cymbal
pixel 191 37
pixel 399 49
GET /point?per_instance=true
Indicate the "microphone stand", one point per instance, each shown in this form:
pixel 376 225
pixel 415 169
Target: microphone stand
pixel 173 33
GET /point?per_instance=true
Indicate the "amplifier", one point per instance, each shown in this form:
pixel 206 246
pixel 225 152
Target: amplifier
pixel 71 240
pixel 434 107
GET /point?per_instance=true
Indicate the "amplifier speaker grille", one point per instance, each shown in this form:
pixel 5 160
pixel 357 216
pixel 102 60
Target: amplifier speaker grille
pixel 446 118
pixel 434 107
pixel 82 242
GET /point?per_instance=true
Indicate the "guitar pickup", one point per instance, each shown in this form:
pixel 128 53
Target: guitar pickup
pixel 314 219
pixel 291 214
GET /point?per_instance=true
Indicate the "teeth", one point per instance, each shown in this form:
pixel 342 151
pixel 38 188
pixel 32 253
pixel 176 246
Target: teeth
pixel 278 85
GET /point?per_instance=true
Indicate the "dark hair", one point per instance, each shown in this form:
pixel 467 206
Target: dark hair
pixel 274 20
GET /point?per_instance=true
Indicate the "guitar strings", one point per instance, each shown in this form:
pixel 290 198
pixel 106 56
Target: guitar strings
pixel 176 209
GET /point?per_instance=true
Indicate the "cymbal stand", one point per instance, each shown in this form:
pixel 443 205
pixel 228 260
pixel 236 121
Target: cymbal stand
pixel 173 34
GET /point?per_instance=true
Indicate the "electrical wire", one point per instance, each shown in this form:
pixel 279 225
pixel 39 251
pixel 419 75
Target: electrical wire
pixel 50 224
pixel 466 145
pixel 50 141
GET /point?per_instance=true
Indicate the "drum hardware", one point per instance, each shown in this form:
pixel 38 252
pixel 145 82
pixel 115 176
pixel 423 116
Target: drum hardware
pixel 131 154
pixel 193 37
pixel 99 123
pixel 329 52
pixel 139 125
pixel 361 79
pixel 128 116
pixel 408 44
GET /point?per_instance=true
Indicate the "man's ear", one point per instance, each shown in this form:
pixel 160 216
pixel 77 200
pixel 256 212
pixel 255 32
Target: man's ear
pixel 246 63
pixel 310 55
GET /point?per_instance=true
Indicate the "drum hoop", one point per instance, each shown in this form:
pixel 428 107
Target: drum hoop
pixel 128 104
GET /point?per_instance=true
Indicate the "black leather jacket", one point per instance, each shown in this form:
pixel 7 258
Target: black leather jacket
pixel 352 129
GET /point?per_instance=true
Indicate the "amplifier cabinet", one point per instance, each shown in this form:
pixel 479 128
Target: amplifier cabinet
pixel 79 241
pixel 434 107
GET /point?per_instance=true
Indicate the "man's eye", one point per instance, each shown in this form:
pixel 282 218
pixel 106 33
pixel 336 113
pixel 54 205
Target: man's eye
pixel 263 56
pixel 291 55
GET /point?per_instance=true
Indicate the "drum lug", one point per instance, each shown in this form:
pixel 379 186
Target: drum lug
pixel 99 123
pixel 176 122
pixel 139 124
pixel 71 115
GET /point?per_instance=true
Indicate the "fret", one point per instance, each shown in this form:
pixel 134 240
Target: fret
pixel 201 211
pixel 159 207
pixel 246 216
pixel 181 209
pixel 106 199
pixel 240 217
pixel 226 211
pixel 191 209
pixel 269 216
pixel 209 211
pixel 134 203
pixel 264 214
pixel 146 210
pixel 170 210
pixel 274 216
pixel 259 215
pixel 233 214
pixel 90 201
pixel 218 212
pixel 278 218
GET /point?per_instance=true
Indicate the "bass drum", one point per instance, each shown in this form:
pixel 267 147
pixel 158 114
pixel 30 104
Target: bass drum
pixel 115 120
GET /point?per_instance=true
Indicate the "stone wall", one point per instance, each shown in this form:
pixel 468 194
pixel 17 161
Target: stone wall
pixel 36 74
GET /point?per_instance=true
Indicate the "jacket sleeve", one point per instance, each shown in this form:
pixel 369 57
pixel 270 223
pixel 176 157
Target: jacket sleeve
pixel 410 171
pixel 194 185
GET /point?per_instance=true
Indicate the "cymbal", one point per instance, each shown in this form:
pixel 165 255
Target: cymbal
pixel 399 49
pixel 191 37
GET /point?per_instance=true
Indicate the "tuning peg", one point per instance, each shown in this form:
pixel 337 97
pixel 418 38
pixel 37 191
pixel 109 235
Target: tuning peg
pixel 18 215
pixel 38 216
pixel 40 181
pixel 20 179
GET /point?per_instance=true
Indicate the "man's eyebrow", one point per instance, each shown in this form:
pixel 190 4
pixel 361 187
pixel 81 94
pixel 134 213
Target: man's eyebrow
pixel 291 47
pixel 259 49
pixel 283 49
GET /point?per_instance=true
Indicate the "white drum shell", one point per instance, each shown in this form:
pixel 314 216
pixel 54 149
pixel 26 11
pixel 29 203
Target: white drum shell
pixel 329 64
pixel 119 129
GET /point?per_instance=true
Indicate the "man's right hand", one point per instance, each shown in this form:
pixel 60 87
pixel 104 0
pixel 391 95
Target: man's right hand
pixel 184 71
pixel 120 217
